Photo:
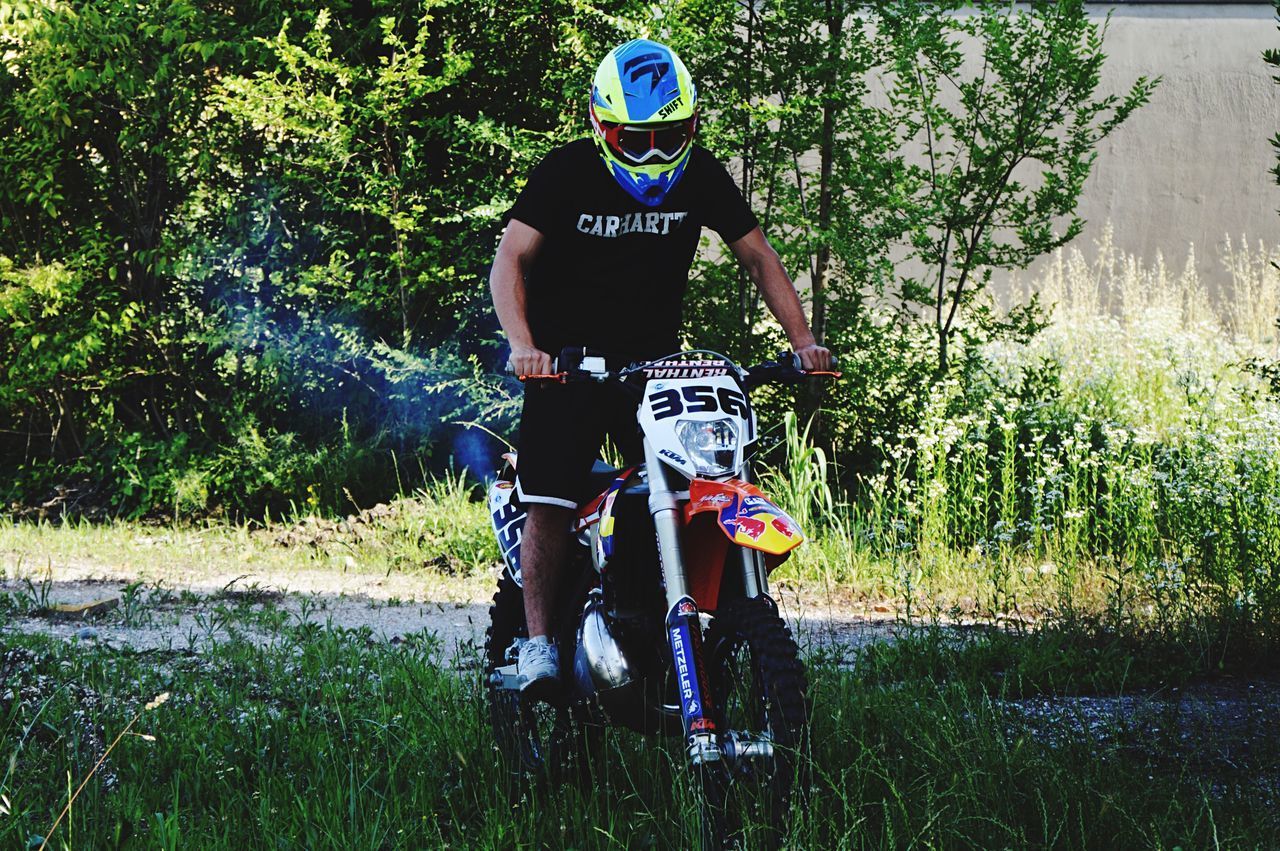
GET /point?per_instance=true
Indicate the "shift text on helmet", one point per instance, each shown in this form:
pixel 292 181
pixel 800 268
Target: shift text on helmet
pixel 671 107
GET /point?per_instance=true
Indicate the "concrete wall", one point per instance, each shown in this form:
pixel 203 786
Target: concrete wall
pixel 1191 166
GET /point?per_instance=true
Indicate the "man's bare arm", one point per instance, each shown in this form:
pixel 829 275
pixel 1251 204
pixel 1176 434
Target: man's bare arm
pixel 516 250
pixel 761 262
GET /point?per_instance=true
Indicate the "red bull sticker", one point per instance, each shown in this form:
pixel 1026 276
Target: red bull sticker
pixel 769 531
pixel 751 527
pixel 745 515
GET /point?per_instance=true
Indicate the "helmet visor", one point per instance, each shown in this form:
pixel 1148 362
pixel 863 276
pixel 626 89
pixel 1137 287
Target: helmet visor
pixel 641 143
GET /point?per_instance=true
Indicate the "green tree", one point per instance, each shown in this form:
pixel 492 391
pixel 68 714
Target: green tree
pixel 364 211
pixel 269 226
pixel 1003 102
pixel 246 244
pixel 957 134
pixel 101 111
pixel 897 153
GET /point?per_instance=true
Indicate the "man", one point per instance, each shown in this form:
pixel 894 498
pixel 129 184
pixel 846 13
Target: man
pixel 596 253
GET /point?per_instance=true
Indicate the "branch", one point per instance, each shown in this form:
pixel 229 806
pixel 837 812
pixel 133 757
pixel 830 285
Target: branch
pixel 928 131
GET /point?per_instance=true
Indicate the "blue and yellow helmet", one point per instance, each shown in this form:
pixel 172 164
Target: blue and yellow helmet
pixel 644 111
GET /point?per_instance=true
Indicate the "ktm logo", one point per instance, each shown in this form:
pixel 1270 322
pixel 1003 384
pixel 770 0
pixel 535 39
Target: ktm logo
pixel 652 64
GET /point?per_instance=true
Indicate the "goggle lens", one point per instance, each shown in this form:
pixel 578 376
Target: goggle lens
pixel 641 143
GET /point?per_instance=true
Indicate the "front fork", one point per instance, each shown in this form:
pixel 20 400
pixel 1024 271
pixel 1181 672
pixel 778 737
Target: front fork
pixel 755 582
pixel 684 631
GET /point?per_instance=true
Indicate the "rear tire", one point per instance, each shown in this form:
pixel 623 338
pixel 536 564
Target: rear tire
pixel 759 687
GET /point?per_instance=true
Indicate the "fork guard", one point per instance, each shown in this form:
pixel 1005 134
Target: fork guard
pixel 747 517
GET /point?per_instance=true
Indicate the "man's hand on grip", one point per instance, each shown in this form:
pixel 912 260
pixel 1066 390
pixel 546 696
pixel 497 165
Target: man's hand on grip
pixel 528 360
pixel 814 357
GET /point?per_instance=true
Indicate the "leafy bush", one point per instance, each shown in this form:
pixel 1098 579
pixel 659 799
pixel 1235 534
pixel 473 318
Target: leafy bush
pixel 1128 443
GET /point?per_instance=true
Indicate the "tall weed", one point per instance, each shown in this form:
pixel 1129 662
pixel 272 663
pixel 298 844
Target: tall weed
pixel 1124 460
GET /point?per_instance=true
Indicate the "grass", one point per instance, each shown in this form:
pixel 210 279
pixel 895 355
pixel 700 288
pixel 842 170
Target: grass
pixel 1125 460
pixel 439 534
pixel 324 739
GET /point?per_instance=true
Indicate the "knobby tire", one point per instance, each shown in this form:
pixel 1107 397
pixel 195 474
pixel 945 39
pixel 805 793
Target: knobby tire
pixel 749 651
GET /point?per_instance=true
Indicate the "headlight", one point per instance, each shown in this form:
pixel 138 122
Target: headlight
pixel 712 444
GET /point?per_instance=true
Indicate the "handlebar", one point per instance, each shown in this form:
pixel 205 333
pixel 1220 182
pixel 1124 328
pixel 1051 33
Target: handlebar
pixel 785 369
pixel 561 377
pixel 583 365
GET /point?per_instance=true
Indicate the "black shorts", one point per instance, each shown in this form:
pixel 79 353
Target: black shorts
pixel 562 428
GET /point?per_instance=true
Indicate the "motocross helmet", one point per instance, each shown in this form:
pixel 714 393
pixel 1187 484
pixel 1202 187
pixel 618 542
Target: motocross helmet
pixel 644 111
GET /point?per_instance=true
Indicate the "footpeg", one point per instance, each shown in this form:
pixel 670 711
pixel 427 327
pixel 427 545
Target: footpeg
pixel 505 677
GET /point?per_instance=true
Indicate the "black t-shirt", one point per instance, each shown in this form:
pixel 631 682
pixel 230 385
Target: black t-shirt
pixel 611 272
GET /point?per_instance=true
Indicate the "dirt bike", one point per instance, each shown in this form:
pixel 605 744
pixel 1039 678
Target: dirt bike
pixel 682 538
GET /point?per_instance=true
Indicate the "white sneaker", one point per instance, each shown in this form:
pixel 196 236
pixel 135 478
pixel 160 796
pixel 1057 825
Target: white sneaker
pixel 539 668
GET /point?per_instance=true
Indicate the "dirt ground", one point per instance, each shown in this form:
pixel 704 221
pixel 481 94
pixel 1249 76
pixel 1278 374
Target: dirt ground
pixel 1216 727
pixel 158 610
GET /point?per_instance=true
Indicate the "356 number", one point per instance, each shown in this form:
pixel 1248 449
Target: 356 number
pixel 697 399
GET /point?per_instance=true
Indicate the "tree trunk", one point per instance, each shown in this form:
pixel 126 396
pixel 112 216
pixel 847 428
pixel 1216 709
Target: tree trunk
pixel 826 154
pixel 746 317
pixel 812 400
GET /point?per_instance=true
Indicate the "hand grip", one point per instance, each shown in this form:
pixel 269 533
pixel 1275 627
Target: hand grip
pixel 795 363
pixel 553 376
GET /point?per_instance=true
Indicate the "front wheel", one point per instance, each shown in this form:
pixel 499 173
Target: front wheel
pixel 760 694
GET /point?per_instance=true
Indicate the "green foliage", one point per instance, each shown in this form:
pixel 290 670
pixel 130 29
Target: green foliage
pixel 98 152
pixel 897 153
pixel 872 133
pixel 246 246
pixel 282 216
pixel 782 82
pixel 349 149
pixel 1005 165
pixel 1122 464
pixel 58 332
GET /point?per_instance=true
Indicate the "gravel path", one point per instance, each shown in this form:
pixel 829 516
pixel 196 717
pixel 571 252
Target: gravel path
pixel 1215 727
pixel 186 613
